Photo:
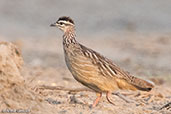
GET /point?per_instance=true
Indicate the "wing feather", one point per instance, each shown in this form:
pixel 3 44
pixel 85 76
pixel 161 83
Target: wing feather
pixel 108 68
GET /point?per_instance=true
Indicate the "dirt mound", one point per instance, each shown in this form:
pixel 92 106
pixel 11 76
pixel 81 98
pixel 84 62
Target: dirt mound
pixel 15 95
pixel 10 65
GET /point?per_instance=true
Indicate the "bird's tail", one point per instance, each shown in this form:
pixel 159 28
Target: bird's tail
pixel 135 83
pixel 144 85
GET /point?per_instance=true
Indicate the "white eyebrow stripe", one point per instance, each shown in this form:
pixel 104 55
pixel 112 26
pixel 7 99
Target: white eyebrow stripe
pixel 66 22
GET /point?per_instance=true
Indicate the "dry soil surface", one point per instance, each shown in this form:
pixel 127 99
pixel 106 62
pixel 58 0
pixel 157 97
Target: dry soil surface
pixel 49 88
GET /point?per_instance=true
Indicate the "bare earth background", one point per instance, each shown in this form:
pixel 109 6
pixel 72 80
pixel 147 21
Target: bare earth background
pixel 136 35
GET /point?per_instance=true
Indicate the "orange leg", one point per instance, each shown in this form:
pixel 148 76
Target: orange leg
pixel 107 97
pixel 99 95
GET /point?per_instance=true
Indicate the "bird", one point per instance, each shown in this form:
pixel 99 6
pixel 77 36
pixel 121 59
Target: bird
pixel 94 70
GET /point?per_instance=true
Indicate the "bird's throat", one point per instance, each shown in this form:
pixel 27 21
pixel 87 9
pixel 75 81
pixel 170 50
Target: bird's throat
pixel 69 37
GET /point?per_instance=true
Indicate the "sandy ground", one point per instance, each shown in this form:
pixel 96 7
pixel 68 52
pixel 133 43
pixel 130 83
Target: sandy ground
pixel 53 89
pixel 121 30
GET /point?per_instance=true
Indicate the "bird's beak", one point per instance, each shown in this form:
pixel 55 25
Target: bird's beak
pixel 53 25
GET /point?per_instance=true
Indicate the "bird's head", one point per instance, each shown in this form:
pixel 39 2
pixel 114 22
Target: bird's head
pixel 64 23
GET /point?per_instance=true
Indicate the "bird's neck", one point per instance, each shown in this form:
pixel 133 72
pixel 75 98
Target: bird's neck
pixel 69 36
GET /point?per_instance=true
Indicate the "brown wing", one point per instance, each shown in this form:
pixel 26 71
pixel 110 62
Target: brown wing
pixel 108 68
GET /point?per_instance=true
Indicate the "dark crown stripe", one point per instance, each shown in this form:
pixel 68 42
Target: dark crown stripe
pixel 64 18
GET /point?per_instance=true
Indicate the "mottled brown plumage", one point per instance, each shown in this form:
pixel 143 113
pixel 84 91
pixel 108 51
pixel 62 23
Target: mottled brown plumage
pixel 92 69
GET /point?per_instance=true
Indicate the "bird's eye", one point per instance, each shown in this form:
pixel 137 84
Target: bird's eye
pixel 61 23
